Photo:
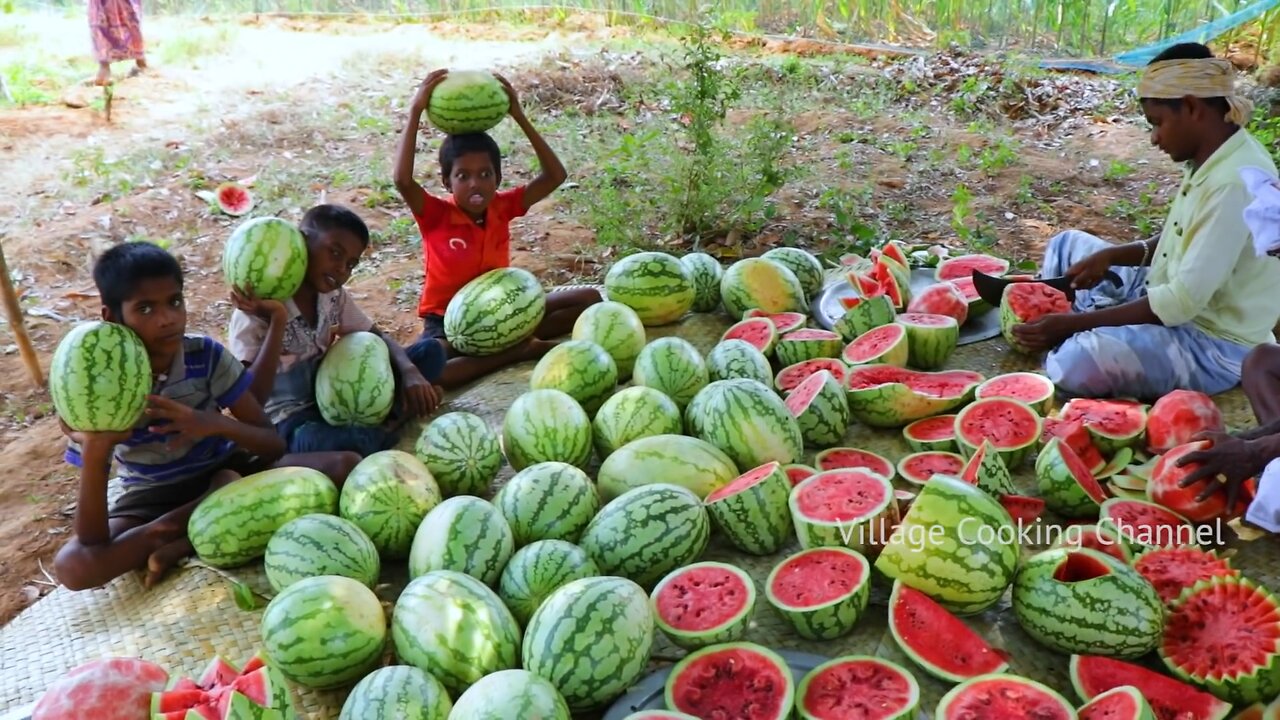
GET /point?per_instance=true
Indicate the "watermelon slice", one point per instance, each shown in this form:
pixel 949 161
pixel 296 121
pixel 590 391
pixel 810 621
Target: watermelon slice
pixel 821 592
pixel 739 680
pixel 1113 424
pixel 659 715
pixel 1066 484
pixel 759 332
pixel 1074 434
pixel 797 473
pixel 962 267
pixel 1003 697
pixel 1031 388
pixel 933 433
pixel 887 396
pixel 886 344
pixel 790 377
pixel 751 511
pixel 1121 703
pixel 850 508
pixel 807 344
pixel 889 285
pixel 703 604
pixel 1012 427
pixel 1170 699
pixel 233 198
pixel 916 622
pixel 977 306
pixel 857 686
pixel 896 252
pixel 784 322
pixel 1178 417
pixel 223 691
pixel 846 458
pixel 1118 462
pixel 1146 525
pixel 986 469
pixel 864 285
pixel 1172 570
pixel 917 468
pixel 1023 509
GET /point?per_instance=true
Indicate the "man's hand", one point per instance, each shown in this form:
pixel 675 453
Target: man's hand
pixel 516 111
pixel 417 396
pixel 90 441
pixel 1088 272
pixel 182 421
pixel 423 96
pixel 1233 459
pixel 1045 333
pixel 253 306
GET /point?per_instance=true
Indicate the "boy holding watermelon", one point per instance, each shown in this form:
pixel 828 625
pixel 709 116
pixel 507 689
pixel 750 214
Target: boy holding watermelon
pixel 467 233
pixel 182 448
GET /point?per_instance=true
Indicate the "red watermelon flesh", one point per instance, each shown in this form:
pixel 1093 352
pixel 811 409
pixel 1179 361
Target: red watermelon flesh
pixel 857 687
pixel 1030 388
pixel 1024 510
pixel 759 332
pixel 816 577
pixel 233 198
pixel 916 621
pixel 216 690
pixel 1083 477
pixel 841 458
pixel 798 473
pixel 660 715
pixel 893 250
pixel 811 334
pixel 117 688
pixel 784 322
pixel 1162 487
pixel 1224 629
pixel 836 496
pixel 1008 424
pixel 1091 537
pixel 924 319
pixel 933 429
pixel 1030 301
pixel 701 598
pixel 1003 697
pixel 1171 699
pixel 745 481
pixel 1147 523
pixel 733 680
pixel 888 283
pixel 967 289
pixel 1171 570
pixel 873 343
pixel 918 467
pixel 865 285
pixel 790 377
pixel 962 266
pixel 1122 703
pixel 1075 436
pixel 946 384
pixel 1111 418
pixel 1178 417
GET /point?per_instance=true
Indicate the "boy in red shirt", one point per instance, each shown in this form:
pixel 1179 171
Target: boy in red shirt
pixel 467 233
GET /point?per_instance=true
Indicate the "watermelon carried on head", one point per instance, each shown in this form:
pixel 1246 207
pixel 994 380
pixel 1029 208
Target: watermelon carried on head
pixel 1027 302
pixel 656 285
pixel 266 256
pixel 857 686
pixel 496 311
pixel 468 101
pixel 916 621
pixel 720 680
pixel 100 377
pixel 703 604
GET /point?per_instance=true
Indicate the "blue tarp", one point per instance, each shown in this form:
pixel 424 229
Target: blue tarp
pixel 1203 34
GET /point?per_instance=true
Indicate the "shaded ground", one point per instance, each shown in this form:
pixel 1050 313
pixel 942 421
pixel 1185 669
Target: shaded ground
pixel 935 151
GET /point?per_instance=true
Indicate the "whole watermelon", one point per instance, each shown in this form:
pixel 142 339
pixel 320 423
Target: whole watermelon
pixel 397 691
pixel 386 495
pixel 548 501
pixel 320 544
pixel 580 368
pixel 706 272
pixel 467 101
pixel 616 328
pixel 267 255
pixel 461 451
pixel 654 284
pixel 100 377
pixel 674 367
pixel 645 533
pixel 807 268
pixel 463 534
pixel 324 632
pixel 748 422
pixel 355 384
pixel 496 311
pixel 545 426
pixel 757 283
pixel 539 569
pixel 634 413
pixel 512 694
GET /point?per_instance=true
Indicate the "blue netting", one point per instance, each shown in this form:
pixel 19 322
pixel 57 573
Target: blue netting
pixel 1203 34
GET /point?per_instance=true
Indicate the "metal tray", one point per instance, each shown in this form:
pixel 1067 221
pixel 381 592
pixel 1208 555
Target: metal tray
pixel 826 308
pixel 648 694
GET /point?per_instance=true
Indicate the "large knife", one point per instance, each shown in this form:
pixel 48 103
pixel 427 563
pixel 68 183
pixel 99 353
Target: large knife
pixel 991 288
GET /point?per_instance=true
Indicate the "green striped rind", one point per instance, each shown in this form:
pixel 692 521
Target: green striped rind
pixel 647 532
pixel 538 570
pixel 1058 486
pixel 1028 422
pixel 547 501
pixel 454 627
pixel 973 696
pixel 702 664
pixel 1238 680
pixel 511 694
pixel 705 272
pixel 738 359
pixel 1117 614
pixel 918 444
pixel 319 544
pixel 674 367
pixel 580 368
pixel 673 459
pixel 631 414
pixel 756 519
pixel 386 495
pixel 930 346
pixel 496 311
pixel 464 534
pixel 826 687
pixel 267 254
pixel 591 639
pixel 756 283
pixel 234 523
pixel 467 101
pixel 461 452
pixel 864 317
pixel 654 284
pixel 790 350
pixel 99 377
pixel 894 404
pixel 1106 701
pixel 616 328
pixel 989 472
pixel 750 423
pixel 829 620
pixel 546 426
pixel 354 383
pixel 956 544
pixel 897 352
pixel 803 264
pixel 824 420
pixel 397 691
pixel 859 533
pixel 324 632
pixel 678 582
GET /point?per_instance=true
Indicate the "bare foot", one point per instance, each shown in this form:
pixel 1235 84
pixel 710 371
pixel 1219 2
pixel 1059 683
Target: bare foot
pixel 164 558
pixel 142 63
pixel 104 75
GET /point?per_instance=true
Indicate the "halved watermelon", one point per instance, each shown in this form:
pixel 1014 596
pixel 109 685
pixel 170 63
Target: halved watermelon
pixel 784 322
pixel 917 468
pixel 1145 525
pixel 849 508
pixel 797 473
pixel 860 687
pixel 846 458
pixel 932 433
pixel 1074 434
pixel 759 332
pixel 1012 427
pixel 962 266
pixel 790 377
pixel 704 604
pixel 1003 697
pixel 751 512
pixel 977 306
pixel 1031 388
pixel 233 198
pixel 739 680
pixel 886 344
pixel 1121 703
pixel 1112 423
pixel 916 622
pixel 1170 699
pixel 820 592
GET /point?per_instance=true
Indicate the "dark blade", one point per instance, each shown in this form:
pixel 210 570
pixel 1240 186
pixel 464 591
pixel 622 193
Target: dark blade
pixel 991 288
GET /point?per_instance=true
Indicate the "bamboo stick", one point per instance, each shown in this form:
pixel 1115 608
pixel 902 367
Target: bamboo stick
pixel 13 311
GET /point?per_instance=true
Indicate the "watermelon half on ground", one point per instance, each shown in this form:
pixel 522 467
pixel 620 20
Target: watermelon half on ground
pixel 704 604
pixel 1122 703
pixel 846 458
pixel 860 687
pixel 916 622
pixel 722 680
pixel 932 433
pixel 917 468
pixel 849 508
pixel 1003 697
pixel 821 592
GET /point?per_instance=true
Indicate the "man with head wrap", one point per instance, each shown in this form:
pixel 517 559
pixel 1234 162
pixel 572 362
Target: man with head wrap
pixel 1195 300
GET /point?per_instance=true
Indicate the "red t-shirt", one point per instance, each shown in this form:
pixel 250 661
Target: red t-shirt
pixel 455 250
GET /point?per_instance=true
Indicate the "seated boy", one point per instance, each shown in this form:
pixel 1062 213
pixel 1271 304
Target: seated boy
pixel 182 448
pixel 1188 320
pixel 468 233
pixel 283 343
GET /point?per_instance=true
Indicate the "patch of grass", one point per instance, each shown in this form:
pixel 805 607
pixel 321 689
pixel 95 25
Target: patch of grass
pixel 40 80
pixel 193 45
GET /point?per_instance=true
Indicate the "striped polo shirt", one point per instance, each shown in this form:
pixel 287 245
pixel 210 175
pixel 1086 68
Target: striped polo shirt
pixel 203 376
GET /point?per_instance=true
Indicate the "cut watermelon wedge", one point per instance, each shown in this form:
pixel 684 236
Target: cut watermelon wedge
pixel 759 332
pixel 1122 703
pixel 1003 697
pixel 797 473
pixel 1172 570
pixel 918 468
pixel 225 692
pixel 1170 699
pixel 886 344
pixel 1145 525
pixel 932 433
pixel 916 622
pixel 790 377
pixel 846 458
pixel 783 322
pixel 1024 510
pixel 1074 434
pixel 962 267
pixel 856 686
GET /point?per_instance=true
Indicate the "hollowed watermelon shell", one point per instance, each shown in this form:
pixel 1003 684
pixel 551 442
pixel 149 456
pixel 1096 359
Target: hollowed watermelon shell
pixel 1003 697
pixel 962 267
pixel 933 433
pixel 751 512
pixel 1075 435
pixel 784 322
pixel 759 332
pixel 846 458
pixel 1034 389
pixel 1172 570
pixel 704 604
pixel 1113 424
pixel 233 198
pixel 821 592
pixel 1012 427
pixel 1170 699
pixel 790 377
pixel 886 345
pixel 1122 703
pixel 917 468
pixel 1102 538
pixel 1145 525
pixel 916 622
pixel 887 396
pixel 851 508
pixel 858 687
pixel 739 680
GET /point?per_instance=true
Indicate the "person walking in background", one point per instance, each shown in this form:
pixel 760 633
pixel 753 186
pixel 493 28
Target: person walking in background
pixel 116 28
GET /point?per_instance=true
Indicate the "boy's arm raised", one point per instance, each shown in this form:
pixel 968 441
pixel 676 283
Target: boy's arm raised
pixel 553 173
pixel 267 361
pixel 413 194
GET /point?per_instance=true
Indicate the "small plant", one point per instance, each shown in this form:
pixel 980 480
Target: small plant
pixel 1117 170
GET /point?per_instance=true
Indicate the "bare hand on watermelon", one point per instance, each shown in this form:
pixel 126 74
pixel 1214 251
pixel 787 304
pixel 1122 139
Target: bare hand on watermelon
pixel 1047 332
pixel 1230 457
pixel 419 397
pixel 252 305
pixel 516 112
pixel 428 86
pixel 89 441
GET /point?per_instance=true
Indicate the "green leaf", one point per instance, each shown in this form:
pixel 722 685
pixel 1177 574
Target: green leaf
pixel 1027 266
pixel 245 599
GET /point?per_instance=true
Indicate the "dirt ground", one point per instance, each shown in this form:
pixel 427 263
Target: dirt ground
pixel 256 79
